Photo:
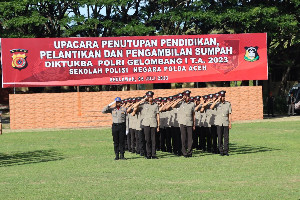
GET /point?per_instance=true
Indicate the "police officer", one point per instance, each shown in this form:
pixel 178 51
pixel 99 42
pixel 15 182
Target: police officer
pixel 187 123
pixel 198 116
pixel 132 126
pixel 199 123
pixel 163 124
pixel 150 112
pixel 212 135
pixel 118 127
pixel 141 145
pixel 223 122
pixel 169 122
pixel 173 122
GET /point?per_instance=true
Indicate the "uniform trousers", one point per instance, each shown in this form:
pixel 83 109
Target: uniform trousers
pixel 118 133
pixel 223 133
pixel 196 136
pixel 186 139
pixel 137 140
pixel 176 141
pixel 128 136
pixel 158 140
pixel 208 138
pixel 142 146
pixel 214 135
pixel 150 140
pixel 133 140
pixel 163 134
pixel 169 139
pixel 202 138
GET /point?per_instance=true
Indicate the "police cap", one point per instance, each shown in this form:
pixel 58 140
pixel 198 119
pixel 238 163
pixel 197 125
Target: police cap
pixel 197 98
pixel 149 94
pixel 222 93
pixel 117 99
pixel 187 93
pixel 171 98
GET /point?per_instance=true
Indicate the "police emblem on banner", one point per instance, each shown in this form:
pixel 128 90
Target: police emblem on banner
pixel 251 54
pixel 19 58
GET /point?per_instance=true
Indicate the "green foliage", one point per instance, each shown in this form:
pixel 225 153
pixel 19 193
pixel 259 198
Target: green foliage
pixel 104 18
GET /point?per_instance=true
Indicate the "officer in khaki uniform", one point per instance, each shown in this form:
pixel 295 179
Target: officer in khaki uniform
pixel 150 122
pixel 198 115
pixel 173 122
pixel 163 125
pixel 223 122
pixel 132 126
pixel 187 123
pixel 170 118
pixel 141 146
pixel 118 127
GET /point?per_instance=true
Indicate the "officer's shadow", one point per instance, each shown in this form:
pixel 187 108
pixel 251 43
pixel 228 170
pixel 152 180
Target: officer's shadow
pixel 29 157
pixel 246 149
pixel 235 149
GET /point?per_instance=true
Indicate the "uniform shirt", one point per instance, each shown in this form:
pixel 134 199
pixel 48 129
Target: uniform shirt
pixel 213 116
pixel 162 120
pixel 171 118
pixel 202 118
pixel 223 111
pixel 167 117
pixel 176 117
pixel 149 112
pixel 118 115
pixel 139 118
pixel 132 121
pixel 208 119
pixel 186 111
pixel 197 118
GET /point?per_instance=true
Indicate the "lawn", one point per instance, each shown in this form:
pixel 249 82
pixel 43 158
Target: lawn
pixel 79 164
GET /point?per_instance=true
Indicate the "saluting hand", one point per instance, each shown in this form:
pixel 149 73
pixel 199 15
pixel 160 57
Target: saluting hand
pixel 112 103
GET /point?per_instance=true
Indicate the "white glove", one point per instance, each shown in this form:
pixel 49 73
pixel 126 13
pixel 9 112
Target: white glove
pixel 127 132
pixel 111 103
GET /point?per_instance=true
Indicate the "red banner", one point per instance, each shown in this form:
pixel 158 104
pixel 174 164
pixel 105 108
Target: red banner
pixel 33 62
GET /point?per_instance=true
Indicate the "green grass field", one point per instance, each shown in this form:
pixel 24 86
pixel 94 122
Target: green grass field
pixel 264 163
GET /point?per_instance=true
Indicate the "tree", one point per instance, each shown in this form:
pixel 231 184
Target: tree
pixel 104 18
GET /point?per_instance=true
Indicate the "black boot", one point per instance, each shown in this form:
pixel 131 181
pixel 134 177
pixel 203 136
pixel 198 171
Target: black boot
pixel 122 157
pixel 117 156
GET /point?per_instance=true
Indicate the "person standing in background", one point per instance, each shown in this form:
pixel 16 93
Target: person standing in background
pixel 291 104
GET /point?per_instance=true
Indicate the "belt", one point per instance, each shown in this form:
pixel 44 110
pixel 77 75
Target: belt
pixel 119 124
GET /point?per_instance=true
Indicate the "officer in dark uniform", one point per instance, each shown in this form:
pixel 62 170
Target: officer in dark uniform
pixel 118 126
pixel 150 112
pixel 222 122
